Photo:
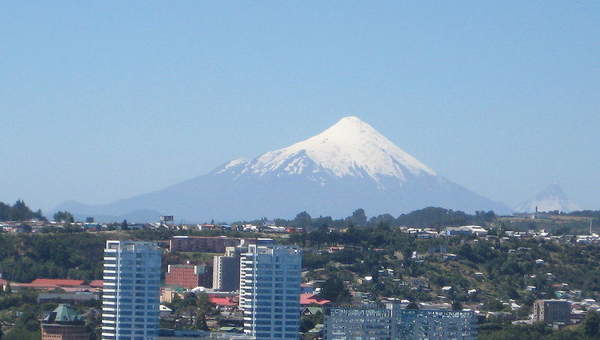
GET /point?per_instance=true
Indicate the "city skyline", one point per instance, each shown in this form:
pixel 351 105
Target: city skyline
pixel 315 170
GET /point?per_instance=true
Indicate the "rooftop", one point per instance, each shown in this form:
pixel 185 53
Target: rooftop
pixel 310 299
pixel 57 282
pixel 64 314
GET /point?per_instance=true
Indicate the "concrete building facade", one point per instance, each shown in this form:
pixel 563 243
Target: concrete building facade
pixel 270 290
pixel 130 302
pixel 189 276
pixel 552 311
pixel 205 244
pixel 391 322
pixel 226 269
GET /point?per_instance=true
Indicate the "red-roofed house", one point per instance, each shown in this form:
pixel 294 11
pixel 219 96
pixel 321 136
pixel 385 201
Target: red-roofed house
pixel 58 282
pixel 227 301
pixel 51 284
pixel 3 284
pixel 96 283
pixel 311 299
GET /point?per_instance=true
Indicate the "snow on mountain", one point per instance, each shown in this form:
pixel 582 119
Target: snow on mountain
pixel 550 199
pixel 351 147
pixel 231 165
pixel 349 165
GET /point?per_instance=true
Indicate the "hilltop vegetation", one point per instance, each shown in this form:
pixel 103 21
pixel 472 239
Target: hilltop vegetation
pixel 427 217
pixel 18 212
pixel 70 255
pixel 589 329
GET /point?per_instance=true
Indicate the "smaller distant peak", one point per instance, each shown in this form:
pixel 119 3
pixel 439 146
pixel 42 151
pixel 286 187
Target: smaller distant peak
pixel 553 189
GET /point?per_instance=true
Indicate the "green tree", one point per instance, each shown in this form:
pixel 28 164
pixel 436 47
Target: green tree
pixel 63 216
pixel 201 321
pixel 308 322
pixel 334 289
pixel 203 303
pixel 358 218
pixel 17 333
pixel 591 324
pixel 412 305
pixel 4 211
pixel 18 212
pixel 303 220
pixel 456 305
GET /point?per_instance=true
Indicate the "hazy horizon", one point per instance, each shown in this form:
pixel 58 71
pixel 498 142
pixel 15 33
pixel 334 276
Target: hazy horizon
pixel 103 101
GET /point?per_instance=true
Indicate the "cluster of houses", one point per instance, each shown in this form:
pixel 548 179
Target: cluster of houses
pixel 467 230
pixel 166 222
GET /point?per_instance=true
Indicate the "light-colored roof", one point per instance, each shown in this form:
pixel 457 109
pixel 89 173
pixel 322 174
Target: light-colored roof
pixel 64 314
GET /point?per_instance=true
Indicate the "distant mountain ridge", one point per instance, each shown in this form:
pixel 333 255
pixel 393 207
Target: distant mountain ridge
pixel 349 165
pixel 552 198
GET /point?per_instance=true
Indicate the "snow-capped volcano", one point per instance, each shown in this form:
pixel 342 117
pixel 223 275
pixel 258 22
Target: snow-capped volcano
pixel 347 166
pixel 552 198
pixel 351 147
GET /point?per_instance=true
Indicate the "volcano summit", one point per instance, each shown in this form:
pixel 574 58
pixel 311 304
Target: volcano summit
pixel 350 165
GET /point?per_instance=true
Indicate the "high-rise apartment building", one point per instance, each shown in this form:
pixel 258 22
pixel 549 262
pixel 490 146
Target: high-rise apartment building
pixel 270 290
pixel 130 302
pixel 226 269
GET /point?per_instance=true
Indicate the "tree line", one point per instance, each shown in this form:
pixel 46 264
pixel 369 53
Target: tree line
pixel 427 217
pixel 18 212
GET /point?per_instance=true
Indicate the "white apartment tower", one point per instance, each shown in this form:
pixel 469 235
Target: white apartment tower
pixel 270 291
pixel 131 294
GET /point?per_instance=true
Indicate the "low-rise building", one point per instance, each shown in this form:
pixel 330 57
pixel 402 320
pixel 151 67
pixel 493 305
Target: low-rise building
pixel 393 322
pixel 204 244
pixel 189 276
pixel 552 311
pixel 64 323
pixel 466 230
pixel 74 298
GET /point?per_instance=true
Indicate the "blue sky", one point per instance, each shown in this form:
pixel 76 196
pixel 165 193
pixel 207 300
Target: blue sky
pixel 103 100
